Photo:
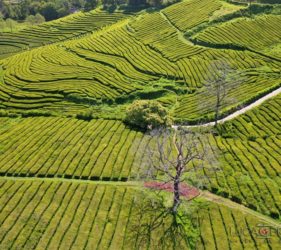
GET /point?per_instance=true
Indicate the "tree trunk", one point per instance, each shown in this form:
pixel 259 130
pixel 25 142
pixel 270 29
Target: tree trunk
pixel 176 194
pixel 217 115
pixel 218 89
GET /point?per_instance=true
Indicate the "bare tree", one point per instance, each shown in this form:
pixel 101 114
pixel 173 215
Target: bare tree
pixel 218 88
pixel 216 93
pixel 250 6
pixel 172 156
pixel 250 2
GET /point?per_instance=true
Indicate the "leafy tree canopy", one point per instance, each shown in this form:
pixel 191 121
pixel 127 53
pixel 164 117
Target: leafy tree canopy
pixel 147 114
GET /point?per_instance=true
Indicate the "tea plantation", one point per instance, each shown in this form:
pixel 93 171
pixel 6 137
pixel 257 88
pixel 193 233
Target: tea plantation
pixel 71 169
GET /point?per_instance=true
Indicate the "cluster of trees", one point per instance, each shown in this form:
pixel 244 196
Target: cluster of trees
pixel 35 19
pixel 269 1
pixel 53 9
pixel 50 9
pixel 10 25
pixel 257 1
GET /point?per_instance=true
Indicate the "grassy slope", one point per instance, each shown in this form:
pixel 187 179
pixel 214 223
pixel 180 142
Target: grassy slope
pixel 89 73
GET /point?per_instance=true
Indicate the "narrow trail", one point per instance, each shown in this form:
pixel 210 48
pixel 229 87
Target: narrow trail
pixel 136 184
pixel 180 34
pixel 228 203
pixel 238 112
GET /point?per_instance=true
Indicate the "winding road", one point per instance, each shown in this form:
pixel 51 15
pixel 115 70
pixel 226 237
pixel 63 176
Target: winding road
pixel 238 112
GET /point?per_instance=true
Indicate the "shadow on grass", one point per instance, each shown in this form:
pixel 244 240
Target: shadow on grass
pixel 153 225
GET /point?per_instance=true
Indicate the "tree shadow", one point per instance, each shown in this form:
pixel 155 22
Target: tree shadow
pixel 154 225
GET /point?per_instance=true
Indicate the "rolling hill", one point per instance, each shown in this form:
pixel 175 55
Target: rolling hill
pixel 71 171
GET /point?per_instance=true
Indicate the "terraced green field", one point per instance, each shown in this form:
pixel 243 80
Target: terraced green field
pixel 257 34
pixel 69 148
pixel 73 183
pixel 247 153
pixel 73 26
pixel 81 215
pixel 251 158
pixel 47 78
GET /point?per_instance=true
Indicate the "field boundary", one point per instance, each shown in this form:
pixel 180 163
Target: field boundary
pixel 233 205
pixel 121 183
pixel 135 184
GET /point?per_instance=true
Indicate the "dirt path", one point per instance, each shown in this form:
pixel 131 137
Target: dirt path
pixel 204 194
pixel 180 34
pixel 226 202
pixel 238 112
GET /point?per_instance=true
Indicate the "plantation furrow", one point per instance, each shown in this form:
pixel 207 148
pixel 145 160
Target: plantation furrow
pixel 53 164
pixel 31 237
pixel 72 214
pixel 112 218
pixel 123 215
pixel 10 220
pixel 230 244
pixel 9 194
pixel 115 152
pixel 253 35
pixel 241 111
pixel 72 240
pixel 106 155
pixel 103 139
pixel 46 155
pixel 209 233
pixel 7 132
pixel 16 236
pixel 80 161
pixel 72 173
pixel 125 152
pixel 82 146
pixel 242 166
pixel 264 161
pixel 89 226
pixel 25 161
pixel 61 162
pixel 56 218
pixel 127 223
pixel 56 222
pixel 24 136
pixel 67 220
pixel 92 225
pixel 102 215
pixel 220 175
pixel 70 27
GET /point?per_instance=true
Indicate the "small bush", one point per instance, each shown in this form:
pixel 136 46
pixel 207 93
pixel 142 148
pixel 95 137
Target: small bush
pixel 86 116
pixel 274 214
pixel 147 114
pixel 252 138
pixel 265 136
pixel 4 113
